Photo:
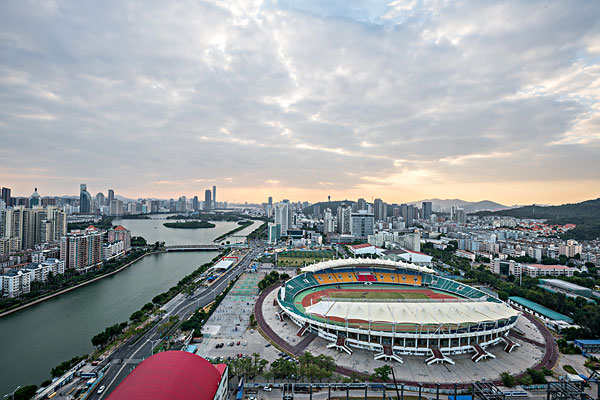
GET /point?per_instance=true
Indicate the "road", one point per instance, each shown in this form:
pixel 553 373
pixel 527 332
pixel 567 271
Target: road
pixel 132 352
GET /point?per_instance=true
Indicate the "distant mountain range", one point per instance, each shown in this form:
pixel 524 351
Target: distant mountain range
pixel 437 205
pixel 444 205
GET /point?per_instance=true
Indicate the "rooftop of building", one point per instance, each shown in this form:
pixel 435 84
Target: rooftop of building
pixel 540 309
pixel 362 246
pixel 564 284
pixel 171 375
pixel 543 266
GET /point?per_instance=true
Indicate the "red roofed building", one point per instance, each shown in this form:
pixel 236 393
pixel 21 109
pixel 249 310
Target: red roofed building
pixel 364 248
pixel 535 270
pixel 122 234
pixel 174 375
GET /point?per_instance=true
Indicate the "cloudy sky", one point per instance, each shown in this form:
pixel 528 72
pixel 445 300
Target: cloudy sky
pixel 402 100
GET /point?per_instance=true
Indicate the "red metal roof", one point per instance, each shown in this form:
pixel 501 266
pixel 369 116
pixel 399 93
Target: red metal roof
pixel 361 246
pixel 120 228
pixel 170 375
pixel 543 266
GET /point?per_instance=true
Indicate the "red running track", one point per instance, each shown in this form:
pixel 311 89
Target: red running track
pixel 306 301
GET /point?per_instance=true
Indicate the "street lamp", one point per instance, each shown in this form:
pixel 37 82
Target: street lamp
pixel 152 345
pixel 12 395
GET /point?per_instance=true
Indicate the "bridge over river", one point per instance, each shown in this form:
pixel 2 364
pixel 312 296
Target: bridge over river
pixel 193 247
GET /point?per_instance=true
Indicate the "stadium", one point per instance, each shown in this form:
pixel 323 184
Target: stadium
pixel 395 309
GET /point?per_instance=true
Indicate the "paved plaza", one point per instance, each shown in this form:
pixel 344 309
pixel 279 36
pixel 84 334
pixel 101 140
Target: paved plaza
pixel 229 323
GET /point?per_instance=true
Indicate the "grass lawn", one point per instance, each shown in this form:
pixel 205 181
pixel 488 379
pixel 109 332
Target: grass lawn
pixel 377 295
pixel 298 261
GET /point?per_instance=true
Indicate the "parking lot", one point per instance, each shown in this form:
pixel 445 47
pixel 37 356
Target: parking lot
pixel 228 329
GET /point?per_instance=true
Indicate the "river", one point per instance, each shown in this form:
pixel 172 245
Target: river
pixel 34 340
pixel 153 230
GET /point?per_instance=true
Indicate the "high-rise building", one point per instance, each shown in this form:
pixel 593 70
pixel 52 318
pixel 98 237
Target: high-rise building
pixel 82 250
pixel 34 199
pixel 22 228
pixel 270 201
pixel 361 204
pixel 214 197
pixel 195 203
pixel 207 199
pixel 328 225
pixel 100 200
pixel 111 197
pixel 85 200
pixel 283 216
pixel 116 207
pixel 459 215
pixel 362 224
pixel 344 219
pixel 410 215
pixel 378 208
pixel 316 210
pixel 427 210
pixel 6 196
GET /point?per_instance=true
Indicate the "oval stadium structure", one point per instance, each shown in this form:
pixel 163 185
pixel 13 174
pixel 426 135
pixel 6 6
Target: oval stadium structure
pixel 394 309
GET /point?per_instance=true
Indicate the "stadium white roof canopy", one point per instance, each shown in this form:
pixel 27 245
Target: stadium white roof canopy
pixel 364 262
pixel 433 313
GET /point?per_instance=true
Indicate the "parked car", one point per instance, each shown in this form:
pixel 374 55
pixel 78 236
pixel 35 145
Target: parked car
pixel 268 389
pixel 101 389
pixel 268 345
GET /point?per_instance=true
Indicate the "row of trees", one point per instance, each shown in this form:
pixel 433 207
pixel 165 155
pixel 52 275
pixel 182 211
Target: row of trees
pixel 308 367
pixel 186 284
pixel 108 334
pixel 531 377
pixel 271 278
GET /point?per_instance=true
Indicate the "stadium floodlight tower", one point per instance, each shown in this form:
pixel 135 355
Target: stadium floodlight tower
pixel 564 390
pixel 486 391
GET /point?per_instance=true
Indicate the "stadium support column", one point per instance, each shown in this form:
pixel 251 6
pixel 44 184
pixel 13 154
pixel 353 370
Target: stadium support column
pixel 420 390
pixel 437 391
pixel 310 386
pixel 456 391
pixel 329 392
pixel 383 392
pixel 347 392
pixel 366 387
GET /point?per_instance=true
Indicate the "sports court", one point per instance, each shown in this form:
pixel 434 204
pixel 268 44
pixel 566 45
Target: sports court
pixel 245 288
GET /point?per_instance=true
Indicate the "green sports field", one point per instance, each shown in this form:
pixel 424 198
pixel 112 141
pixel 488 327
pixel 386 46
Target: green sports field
pixel 378 295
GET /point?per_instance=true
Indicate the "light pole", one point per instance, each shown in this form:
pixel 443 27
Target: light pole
pixel 12 395
pixel 152 345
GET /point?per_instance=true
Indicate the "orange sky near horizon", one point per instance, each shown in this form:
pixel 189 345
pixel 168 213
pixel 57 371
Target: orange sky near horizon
pixel 507 193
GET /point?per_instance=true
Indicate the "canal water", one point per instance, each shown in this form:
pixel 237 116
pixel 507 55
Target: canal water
pixel 34 340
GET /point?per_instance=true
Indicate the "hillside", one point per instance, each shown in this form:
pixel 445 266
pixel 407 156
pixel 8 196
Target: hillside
pixel 585 214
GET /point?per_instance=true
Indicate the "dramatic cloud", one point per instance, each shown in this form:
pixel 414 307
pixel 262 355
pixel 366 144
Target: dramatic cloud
pixel 300 99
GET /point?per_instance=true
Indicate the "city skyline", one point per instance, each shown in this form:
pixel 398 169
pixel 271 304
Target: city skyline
pixel 398 100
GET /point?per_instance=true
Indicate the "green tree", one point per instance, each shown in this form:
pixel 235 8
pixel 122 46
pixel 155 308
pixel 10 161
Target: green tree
pixel 382 373
pixel 507 379
pixel 282 368
pixel 25 393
